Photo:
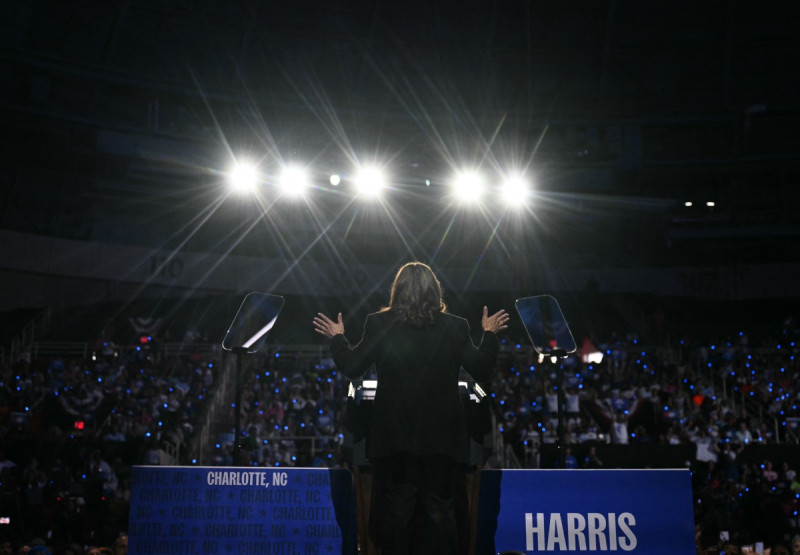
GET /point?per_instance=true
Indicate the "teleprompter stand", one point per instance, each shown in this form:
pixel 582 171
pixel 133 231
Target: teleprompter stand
pixel 246 335
pixel 552 339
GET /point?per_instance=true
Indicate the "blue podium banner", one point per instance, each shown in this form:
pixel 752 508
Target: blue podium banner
pixel 646 512
pixel 242 510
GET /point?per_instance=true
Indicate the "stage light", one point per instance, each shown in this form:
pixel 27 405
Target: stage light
pixel 468 186
pixel 688 204
pixel 711 204
pixel 335 179
pixel 243 177
pixel 516 191
pixel 370 182
pixel 294 181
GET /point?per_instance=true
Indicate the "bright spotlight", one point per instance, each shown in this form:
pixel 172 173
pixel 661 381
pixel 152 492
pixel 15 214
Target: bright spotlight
pixel 294 181
pixel 243 178
pixel 370 182
pixel 516 191
pixel 335 179
pixel 468 186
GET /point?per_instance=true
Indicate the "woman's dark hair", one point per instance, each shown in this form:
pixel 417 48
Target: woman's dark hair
pixel 416 294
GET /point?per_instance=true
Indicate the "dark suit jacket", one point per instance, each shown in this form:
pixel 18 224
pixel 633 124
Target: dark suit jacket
pixel 417 407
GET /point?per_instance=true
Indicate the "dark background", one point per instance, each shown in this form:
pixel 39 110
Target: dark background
pixel 119 119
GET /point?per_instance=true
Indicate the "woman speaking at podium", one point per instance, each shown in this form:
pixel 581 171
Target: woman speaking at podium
pixel 418 445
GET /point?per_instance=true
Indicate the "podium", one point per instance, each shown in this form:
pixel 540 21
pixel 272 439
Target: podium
pixel 641 512
pixel 213 510
pixel 358 414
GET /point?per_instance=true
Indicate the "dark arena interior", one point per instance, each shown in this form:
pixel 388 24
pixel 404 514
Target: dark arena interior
pixel 639 161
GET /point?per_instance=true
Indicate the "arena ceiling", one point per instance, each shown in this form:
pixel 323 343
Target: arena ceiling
pixel 120 118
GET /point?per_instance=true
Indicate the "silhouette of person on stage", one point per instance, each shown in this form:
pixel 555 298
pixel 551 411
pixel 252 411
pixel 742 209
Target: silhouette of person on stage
pixel 418 445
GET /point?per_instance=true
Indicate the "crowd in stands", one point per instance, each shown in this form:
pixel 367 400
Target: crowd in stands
pixel 72 428
pixel 292 413
pixel 726 408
